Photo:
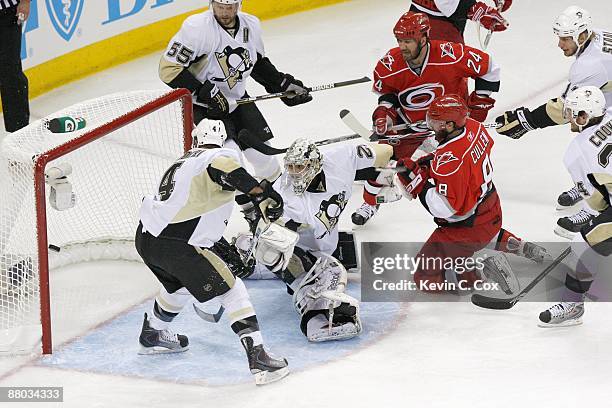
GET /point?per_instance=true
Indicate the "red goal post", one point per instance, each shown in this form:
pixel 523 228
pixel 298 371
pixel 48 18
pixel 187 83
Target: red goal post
pixel 118 157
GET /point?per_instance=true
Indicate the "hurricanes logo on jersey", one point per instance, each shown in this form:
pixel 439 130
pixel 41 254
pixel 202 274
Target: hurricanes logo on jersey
pixel 447 50
pixel 387 61
pixel 420 97
pixel 330 210
pixel 445 158
pixel 234 62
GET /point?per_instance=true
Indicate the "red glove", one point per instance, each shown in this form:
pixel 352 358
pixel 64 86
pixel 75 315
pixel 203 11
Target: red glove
pixel 506 5
pixel 487 16
pixel 479 106
pixel 413 179
pixel 383 118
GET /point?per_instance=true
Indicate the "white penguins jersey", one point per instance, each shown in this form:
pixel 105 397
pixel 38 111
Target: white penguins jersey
pixel 589 161
pixel 186 192
pixel 211 53
pixel 594 66
pixel 318 209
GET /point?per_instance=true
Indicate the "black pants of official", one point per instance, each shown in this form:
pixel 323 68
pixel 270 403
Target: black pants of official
pixel 247 116
pixel 13 82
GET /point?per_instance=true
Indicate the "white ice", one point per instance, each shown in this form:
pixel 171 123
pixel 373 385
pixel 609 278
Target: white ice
pixel 440 354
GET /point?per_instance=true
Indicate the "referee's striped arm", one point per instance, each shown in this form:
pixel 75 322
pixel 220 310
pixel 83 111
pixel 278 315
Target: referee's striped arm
pixel 4 4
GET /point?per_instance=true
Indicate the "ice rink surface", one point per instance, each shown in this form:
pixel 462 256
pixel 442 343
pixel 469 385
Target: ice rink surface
pixel 422 354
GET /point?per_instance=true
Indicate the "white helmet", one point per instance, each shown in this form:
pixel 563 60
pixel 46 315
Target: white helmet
pixel 572 22
pixel 588 99
pixel 208 132
pixel 225 2
pixel 303 162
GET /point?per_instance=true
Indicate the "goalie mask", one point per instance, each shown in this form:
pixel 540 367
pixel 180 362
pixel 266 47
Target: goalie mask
pixel 303 162
pixel 208 132
pixel 589 100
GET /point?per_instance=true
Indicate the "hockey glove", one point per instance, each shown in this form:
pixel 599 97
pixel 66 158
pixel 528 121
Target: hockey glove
pixel 269 202
pixel 515 123
pixel 211 97
pixel 413 179
pixel 487 16
pixel 383 118
pixel 290 84
pixel 479 106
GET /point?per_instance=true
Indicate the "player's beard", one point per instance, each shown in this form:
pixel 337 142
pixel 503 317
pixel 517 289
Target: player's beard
pixel 410 56
pixel 441 135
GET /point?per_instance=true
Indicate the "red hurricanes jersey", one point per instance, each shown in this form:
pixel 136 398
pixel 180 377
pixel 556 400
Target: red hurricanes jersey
pixel 445 71
pixel 462 168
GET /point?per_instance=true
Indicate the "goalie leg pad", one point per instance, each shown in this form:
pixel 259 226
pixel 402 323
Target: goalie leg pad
pixel 320 292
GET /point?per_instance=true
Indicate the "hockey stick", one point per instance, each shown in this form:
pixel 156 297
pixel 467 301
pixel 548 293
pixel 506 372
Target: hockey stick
pixel 250 140
pixel 498 4
pixel 416 129
pixel 312 89
pixel 488 302
pixel 209 317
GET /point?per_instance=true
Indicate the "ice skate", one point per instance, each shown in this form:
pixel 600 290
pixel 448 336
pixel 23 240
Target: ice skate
pixel 567 227
pixel 264 367
pixel 364 213
pixel 154 341
pixel 568 199
pixel 562 315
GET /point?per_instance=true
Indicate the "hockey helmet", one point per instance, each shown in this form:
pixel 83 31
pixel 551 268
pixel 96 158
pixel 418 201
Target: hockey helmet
pixel 572 22
pixel 303 161
pixel 208 132
pixel 412 25
pixel 225 2
pixel 587 99
pixel 447 108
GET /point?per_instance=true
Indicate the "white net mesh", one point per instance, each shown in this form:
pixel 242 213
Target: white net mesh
pixel 109 177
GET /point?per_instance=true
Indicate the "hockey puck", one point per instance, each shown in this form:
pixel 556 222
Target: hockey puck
pixel 54 248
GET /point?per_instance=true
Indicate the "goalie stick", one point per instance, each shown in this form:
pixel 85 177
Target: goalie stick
pixel 311 89
pixel 247 138
pixel 489 302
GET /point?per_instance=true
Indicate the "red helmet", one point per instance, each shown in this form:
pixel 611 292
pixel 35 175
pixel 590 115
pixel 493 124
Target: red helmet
pixel 448 108
pixel 412 25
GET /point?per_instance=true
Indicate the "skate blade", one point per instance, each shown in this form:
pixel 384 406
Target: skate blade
pixel 573 208
pixel 267 377
pixel 563 233
pixel 159 350
pixel 567 323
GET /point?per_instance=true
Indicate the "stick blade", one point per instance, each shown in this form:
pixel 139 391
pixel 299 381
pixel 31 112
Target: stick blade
pixel 487 302
pixel 209 317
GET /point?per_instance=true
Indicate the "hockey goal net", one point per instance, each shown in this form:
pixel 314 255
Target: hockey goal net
pixel 127 142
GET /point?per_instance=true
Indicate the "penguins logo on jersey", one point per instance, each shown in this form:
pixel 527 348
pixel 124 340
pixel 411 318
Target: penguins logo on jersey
pixel 330 210
pixel 420 97
pixel 234 62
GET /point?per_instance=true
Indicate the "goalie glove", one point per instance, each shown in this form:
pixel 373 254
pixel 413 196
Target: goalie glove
pixel 487 16
pixel 479 106
pixel 269 202
pixel 515 123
